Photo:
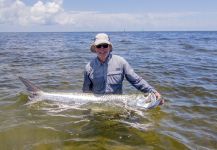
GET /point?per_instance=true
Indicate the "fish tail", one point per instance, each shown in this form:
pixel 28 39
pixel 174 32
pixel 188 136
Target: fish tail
pixel 30 86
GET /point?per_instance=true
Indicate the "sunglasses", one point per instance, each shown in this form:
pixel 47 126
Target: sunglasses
pixel 102 45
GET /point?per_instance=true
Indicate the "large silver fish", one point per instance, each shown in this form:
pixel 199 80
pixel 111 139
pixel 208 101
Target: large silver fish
pixel 138 101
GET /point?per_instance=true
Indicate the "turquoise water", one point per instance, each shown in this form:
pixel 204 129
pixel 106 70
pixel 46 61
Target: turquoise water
pixel 180 65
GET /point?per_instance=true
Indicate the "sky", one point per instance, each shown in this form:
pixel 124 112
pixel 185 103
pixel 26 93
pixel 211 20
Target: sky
pixel 110 15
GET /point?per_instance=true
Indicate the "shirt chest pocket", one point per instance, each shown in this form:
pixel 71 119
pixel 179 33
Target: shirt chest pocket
pixel 115 77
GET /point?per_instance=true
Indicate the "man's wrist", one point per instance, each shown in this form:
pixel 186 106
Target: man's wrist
pixel 153 91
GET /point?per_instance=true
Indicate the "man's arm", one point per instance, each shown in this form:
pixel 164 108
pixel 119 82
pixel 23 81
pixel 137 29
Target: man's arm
pixel 87 84
pixel 138 82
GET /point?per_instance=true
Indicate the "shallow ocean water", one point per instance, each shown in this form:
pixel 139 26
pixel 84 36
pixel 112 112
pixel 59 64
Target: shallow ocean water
pixel 180 65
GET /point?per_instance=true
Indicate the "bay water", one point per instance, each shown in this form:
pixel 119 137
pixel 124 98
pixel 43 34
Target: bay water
pixel 182 66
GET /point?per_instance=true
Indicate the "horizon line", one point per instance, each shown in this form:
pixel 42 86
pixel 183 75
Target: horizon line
pixel 109 31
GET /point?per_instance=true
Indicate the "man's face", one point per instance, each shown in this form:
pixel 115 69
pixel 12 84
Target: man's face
pixel 102 51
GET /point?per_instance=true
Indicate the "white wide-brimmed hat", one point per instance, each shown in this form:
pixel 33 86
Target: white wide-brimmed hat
pixel 100 38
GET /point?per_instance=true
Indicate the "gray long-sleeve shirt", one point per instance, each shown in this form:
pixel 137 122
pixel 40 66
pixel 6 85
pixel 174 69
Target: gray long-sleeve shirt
pixel 107 77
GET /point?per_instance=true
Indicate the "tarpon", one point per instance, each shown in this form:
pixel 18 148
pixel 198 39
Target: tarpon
pixel 135 101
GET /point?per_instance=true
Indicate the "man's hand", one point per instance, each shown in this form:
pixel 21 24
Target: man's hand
pixel 159 97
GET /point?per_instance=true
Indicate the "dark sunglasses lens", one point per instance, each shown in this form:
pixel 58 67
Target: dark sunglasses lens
pixel 103 46
pixel 98 46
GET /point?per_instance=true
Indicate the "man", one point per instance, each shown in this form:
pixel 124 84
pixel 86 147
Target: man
pixel 105 73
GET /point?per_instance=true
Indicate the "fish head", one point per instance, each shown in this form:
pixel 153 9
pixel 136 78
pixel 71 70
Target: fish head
pixel 147 102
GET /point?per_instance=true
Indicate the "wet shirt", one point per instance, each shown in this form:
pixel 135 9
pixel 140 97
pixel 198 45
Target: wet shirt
pixel 107 77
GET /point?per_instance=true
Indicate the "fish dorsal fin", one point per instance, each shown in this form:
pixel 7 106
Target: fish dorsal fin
pixel 30 86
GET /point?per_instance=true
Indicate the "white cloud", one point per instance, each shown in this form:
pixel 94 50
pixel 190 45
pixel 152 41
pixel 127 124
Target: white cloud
pixel 52 13
pixel 43 13
pixel 17 12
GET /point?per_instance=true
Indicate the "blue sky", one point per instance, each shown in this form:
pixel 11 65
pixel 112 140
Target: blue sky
pixel 112 15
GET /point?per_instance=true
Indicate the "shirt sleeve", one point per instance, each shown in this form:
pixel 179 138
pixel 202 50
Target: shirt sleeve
pixel 137 81
pixel 87 84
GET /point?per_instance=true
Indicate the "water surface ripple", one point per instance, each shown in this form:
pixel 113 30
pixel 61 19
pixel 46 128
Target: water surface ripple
pixel 181 65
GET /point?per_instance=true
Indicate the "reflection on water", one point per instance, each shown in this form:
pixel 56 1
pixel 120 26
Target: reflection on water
pixel 181 65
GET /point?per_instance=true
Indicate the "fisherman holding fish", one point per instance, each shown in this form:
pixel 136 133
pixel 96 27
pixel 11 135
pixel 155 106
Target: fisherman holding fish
pixel 105 73
pixel 103 79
